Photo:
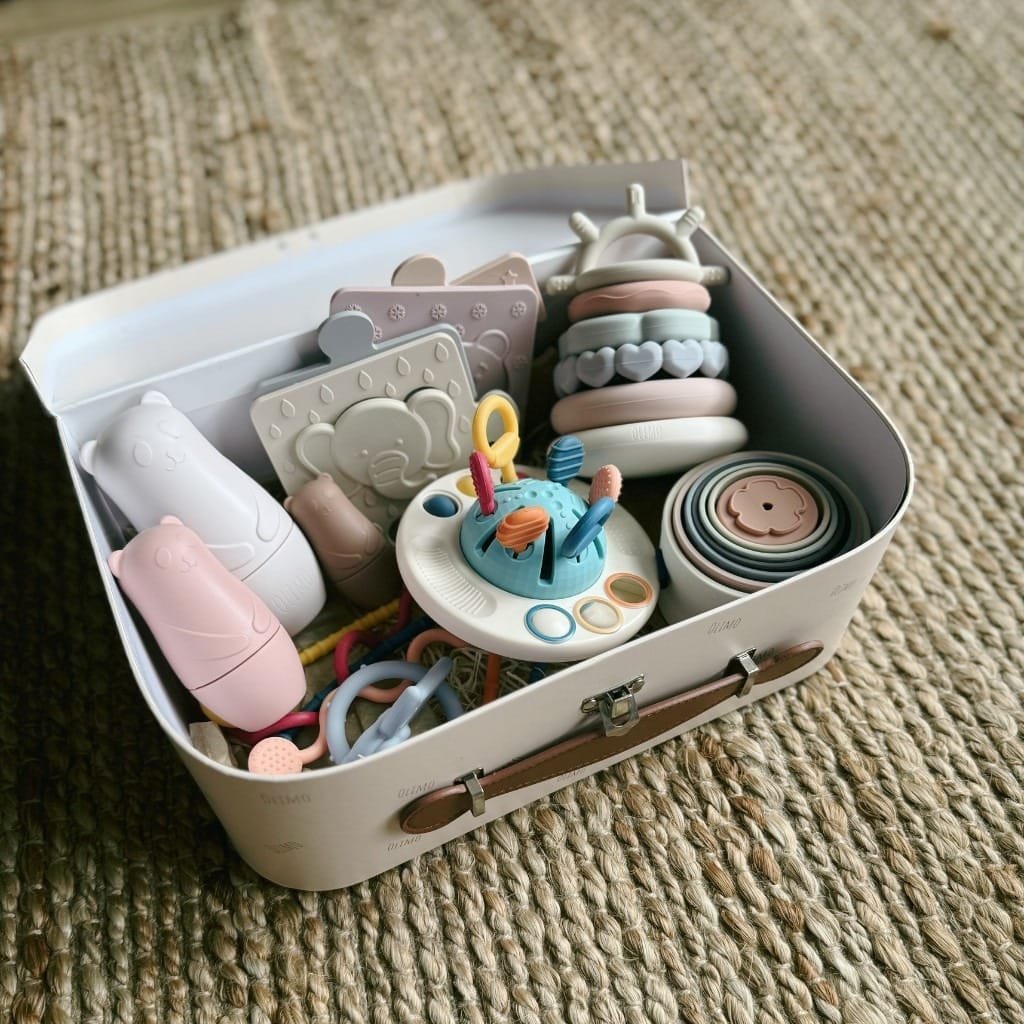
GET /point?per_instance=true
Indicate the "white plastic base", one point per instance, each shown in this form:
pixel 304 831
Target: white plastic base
pixel 559 630
pixel 660 446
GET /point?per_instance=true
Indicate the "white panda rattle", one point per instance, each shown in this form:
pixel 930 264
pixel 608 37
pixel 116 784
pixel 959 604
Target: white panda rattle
pixel 153 462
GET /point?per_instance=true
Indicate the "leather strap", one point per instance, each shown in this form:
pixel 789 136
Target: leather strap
pixel 435 810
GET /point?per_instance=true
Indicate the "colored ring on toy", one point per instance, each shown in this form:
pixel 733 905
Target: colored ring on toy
pixel 677 397
pixel 620 329
pixel 501 454
pixel 554 612
pixel 579 611
pixel 587 529
pixel 619 582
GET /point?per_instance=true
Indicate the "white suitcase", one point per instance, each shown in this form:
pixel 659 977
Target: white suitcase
pixel 207 333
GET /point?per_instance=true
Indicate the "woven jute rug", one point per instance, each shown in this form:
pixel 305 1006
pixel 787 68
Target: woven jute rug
pixel 850 850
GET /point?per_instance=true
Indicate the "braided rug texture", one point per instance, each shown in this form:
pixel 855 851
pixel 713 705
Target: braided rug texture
pixel 850 850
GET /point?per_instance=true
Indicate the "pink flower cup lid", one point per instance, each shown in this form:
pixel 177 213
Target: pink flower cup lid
pixel 773 509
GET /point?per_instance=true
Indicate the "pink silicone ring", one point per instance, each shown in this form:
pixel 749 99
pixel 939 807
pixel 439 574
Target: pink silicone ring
pixel 639 297
pixel 639 403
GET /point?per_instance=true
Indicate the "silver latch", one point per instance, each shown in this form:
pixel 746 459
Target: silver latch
pixel 618 708
pixel 744 664
pixel 478 801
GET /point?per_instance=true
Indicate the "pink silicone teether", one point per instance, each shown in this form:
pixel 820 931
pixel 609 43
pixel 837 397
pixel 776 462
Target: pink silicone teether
pixel 221 640
pixel 278 756
pixel 607 483
pixel 483 483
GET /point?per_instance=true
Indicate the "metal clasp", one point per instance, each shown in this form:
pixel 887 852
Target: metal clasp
pixel 744 664
pixel 471 780
pixel 619 712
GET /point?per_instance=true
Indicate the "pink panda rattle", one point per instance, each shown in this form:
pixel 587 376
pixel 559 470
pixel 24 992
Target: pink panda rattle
pixel 152 461
pixel 222 641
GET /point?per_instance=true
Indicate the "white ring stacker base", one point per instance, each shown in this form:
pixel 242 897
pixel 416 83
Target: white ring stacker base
pixel 450 592
pixel 660 446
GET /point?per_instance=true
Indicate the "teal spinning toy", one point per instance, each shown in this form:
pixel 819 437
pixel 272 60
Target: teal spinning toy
pixel 544 570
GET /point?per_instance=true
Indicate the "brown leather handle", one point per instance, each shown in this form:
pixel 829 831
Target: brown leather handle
pixel 435 810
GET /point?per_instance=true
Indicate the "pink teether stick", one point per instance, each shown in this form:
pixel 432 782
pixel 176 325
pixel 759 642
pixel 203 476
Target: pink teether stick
pixel 293 720
pixel 483 484
pixel 607 483
pixel 278 756
pixel 389 694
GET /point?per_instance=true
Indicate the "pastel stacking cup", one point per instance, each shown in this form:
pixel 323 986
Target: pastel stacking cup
pixel 739 523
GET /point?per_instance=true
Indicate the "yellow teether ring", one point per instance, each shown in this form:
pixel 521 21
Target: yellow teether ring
pixel 501 454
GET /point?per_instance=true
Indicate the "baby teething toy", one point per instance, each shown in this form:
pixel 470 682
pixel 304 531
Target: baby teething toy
pixel 638 403
pixel 394 725
pixel 382 419
pixel 530 569
pixel 220 639
pixel 683 263
pixel 637 363
pixel 660 446
pixel 276 755
pixel 636 328
pixel 493 309
pixel 153 462
pixel 639 297
pixel 355 556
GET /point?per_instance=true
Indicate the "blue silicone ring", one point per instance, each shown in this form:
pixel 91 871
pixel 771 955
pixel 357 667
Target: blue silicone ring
pixel 337 742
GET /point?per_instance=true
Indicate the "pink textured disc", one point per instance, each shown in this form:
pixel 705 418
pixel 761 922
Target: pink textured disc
pixel 639 297
pixel 642 402
pixel 773 509
pixel 275 756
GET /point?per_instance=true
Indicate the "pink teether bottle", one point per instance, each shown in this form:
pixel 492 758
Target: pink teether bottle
pixel 222 641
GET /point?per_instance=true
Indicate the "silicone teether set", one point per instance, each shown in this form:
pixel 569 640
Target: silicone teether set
pixel 528 568
pixel 406 427
pixel 642 349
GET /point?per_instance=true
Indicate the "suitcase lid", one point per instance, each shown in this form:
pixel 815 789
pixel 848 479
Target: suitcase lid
pixel 281 285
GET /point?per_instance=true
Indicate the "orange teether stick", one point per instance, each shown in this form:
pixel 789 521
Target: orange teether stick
pixel 519 529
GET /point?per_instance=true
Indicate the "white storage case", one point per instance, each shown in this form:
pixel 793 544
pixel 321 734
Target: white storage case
pixel 207 333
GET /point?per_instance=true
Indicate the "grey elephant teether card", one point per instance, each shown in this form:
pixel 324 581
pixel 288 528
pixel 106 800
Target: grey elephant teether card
pixel 383 419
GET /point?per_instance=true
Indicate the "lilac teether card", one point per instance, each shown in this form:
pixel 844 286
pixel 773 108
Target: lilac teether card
pixel 383 419
pixel 495 318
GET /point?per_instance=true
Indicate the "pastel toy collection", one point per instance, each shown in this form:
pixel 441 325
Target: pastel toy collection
pixel 641 336
pixel 396 453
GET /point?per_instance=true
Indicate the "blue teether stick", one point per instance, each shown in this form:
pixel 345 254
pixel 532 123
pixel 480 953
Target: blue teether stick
pixel 588 528
pixel 565 457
